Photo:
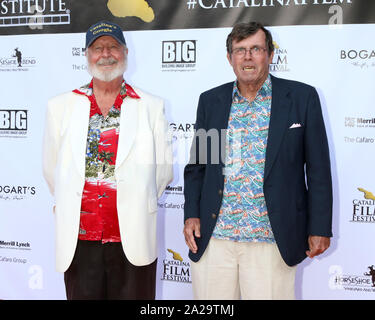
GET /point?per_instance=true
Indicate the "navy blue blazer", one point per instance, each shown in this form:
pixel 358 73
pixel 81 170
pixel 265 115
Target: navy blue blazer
pixel 297 176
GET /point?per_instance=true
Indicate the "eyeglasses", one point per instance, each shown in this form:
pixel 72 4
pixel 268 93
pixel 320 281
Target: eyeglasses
pixel 254 51
pixel 110 48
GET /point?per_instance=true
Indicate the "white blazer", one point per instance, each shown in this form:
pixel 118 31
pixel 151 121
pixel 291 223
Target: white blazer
pixel 143 170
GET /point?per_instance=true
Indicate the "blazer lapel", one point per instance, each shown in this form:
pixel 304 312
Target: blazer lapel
pixel 225 98
pixel 280 107
pixel 128 128
pixel 78 130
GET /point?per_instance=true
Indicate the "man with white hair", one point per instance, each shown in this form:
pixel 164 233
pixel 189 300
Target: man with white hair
pixel 106 159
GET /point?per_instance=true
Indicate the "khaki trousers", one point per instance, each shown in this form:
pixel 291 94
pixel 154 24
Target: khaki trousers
pixel 231 270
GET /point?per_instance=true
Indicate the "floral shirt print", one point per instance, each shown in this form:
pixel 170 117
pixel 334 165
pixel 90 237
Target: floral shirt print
pixel 243 214
pixel 99 220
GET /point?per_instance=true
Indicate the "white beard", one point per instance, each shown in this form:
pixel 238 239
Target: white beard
pixel 107 75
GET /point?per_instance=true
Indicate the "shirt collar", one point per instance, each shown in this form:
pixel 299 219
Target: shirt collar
pixel 264 91
pixel 125 91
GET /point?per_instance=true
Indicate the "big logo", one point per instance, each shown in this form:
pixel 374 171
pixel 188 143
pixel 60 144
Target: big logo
pixel 179 54
pixel 13 123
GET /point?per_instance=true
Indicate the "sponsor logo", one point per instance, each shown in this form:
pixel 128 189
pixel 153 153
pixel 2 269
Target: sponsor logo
pixel 33 13
pixel 17 61
pixel 175 268
pixel 182 130
pixel 359 140
pixel 12 260
pixel 18 245
pixel 79 52
pixel 179 55
pixel 280 59
pixel 364 207
pixel 364 282
pixel 363 58
pixel 352 122
pixel 170 205
pixel 176 190
pixel 13 123
pixel 9 192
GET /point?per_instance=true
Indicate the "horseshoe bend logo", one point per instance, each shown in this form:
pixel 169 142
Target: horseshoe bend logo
pixel 131 8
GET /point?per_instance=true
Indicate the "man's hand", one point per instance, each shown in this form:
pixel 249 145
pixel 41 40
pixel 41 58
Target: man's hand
pixel 317 245
pixel 192 227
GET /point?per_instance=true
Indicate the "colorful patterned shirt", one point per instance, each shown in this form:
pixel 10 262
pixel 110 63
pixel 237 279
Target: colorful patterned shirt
pixel 99 220
pixel 243 214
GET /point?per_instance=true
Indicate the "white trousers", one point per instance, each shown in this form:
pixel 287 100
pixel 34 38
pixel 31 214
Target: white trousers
pixel 231 270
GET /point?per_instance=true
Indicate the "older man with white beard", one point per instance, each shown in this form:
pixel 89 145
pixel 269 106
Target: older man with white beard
pixel 106 159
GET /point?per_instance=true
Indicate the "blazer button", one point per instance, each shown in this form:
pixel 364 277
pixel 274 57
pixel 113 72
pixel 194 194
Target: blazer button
pixel 220 192
pixel 213 216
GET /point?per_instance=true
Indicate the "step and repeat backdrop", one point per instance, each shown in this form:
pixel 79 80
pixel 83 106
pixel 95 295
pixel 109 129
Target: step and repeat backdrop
pixel 176 51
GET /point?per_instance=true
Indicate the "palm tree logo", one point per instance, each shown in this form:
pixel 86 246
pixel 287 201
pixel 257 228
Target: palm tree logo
pixel 372 274
pixel 18 55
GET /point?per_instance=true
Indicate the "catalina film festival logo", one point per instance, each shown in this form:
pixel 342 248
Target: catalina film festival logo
pixel 364 207
pixel 175 268
pixel 280 59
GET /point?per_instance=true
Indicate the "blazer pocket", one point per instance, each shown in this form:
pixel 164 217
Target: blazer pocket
pixel 153 204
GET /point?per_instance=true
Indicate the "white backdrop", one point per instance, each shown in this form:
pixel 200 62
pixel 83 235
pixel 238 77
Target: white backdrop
pixel 339 61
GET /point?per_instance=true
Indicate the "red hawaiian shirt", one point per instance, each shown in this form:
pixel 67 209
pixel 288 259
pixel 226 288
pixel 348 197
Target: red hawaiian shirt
pixel 99 220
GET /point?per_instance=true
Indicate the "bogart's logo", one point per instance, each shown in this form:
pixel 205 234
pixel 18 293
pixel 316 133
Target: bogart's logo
pixel 364 209
pixel 33 13
pixel 182 130
pixel 8 192
pixel 363 58
pixel 280 59
pixel 176 269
